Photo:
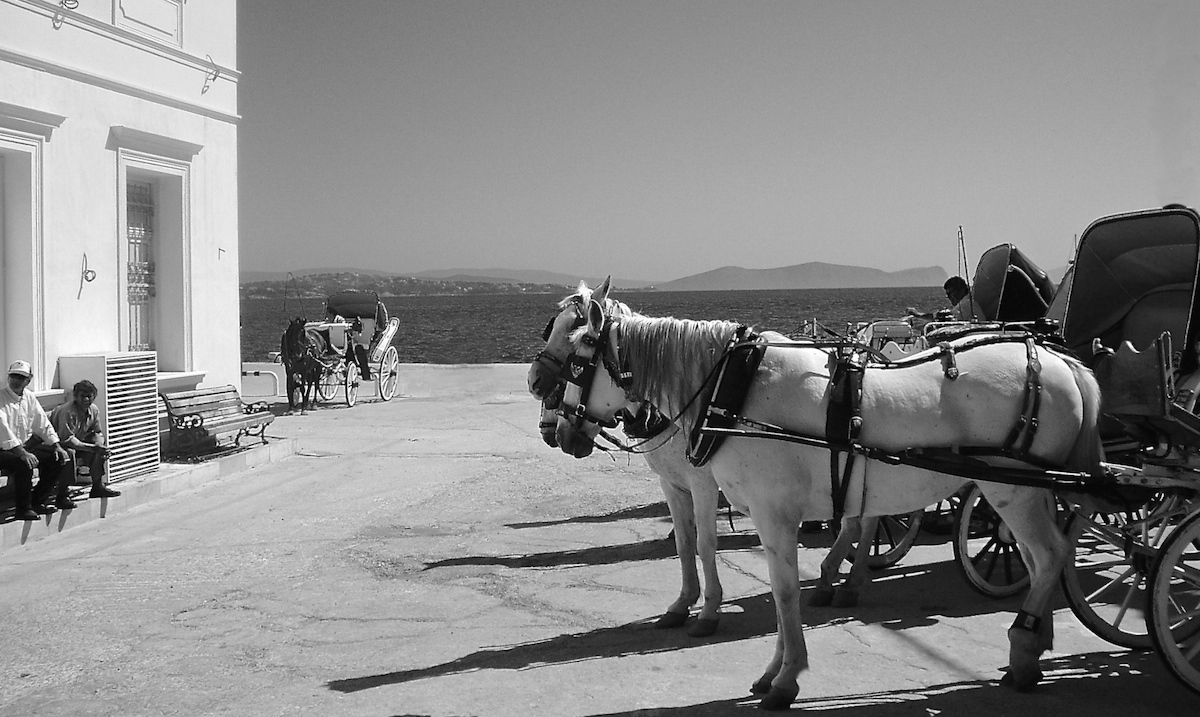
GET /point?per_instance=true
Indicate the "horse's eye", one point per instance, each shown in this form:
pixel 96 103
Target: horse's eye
pixel 549 328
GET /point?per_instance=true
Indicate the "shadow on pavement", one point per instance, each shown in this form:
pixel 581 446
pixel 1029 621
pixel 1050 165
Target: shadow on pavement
pixel 900 598
pixel 1097 684
pixel 602 555
pixel 653 510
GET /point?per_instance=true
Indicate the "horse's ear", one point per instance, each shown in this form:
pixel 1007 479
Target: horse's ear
pixel 601 292
pixel 595 317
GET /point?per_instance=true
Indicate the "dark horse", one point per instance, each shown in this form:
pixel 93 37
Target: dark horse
pixel 301 349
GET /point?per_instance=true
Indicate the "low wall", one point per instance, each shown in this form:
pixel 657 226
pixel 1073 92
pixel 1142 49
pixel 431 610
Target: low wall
pixel 417 380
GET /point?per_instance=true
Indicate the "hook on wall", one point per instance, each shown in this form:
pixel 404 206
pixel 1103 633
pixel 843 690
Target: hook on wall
pixel 58 18
pixel 85 275
pixel 212 76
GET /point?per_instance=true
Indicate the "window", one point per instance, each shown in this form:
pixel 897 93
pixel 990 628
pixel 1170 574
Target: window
pixel 154 245
pixel 139 233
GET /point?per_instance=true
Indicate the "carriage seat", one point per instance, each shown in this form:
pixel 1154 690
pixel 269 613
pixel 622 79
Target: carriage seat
pixel 1142 321
pixel 1138 388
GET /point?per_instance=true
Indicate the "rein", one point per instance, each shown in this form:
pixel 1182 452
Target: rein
pixel 960 461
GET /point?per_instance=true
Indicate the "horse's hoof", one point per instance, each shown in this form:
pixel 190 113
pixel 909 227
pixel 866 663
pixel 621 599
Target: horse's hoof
pixel 703 628
pixel 845 598
pixel 671 620
pixel 762 686
pixel 821 596
pixel 778 699
pixel 1022 680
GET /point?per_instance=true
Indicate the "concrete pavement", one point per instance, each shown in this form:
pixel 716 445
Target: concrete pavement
pixel 430 556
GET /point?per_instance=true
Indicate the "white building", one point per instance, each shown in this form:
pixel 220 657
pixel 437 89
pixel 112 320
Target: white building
pixel 118 209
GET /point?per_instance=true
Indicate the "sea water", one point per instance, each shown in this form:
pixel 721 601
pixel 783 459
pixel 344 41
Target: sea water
pixel 507 328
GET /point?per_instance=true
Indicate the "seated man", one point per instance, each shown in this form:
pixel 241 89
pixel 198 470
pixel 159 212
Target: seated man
pixel 28 442
pixel 77 423
pixel 958 293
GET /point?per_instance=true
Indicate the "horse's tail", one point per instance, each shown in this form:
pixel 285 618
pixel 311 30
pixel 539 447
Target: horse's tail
pixel 1088 450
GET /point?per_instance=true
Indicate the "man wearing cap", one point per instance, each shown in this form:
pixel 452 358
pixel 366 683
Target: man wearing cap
pixel 21 420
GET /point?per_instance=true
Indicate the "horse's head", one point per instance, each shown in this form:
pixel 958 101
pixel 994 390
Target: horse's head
pixel 595 390
pixel 546 371
pixel 294 341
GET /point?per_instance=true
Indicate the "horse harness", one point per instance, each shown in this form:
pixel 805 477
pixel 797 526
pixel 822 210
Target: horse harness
pixel 843 419
pixel 723 394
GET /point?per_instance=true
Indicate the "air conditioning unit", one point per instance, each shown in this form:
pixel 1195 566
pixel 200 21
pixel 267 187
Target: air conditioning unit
pixel 127 396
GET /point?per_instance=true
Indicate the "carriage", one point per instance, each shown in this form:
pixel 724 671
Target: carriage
pixel 1129 307
pixel 357 335
pixel 1128 311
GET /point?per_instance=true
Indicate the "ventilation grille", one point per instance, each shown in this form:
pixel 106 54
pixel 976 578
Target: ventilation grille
pixel 127 397
pixel 132 413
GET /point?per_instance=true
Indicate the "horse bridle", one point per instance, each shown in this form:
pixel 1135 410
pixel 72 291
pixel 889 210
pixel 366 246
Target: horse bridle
pixel 594 352
pixel 549 360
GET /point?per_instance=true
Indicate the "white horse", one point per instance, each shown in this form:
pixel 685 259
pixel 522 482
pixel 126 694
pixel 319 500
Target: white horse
pixel 921 403
pixel 691 492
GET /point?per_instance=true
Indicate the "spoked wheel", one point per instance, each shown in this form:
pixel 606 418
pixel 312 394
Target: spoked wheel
pixel 351 383
pixel 894 536
pixel 389 373
pixel 328 385
pixel 1175 603
pixel 986 549
pixel 1106 583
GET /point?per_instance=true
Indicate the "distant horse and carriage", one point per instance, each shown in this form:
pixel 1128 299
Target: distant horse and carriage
pixel 1088 411
pixel 353 344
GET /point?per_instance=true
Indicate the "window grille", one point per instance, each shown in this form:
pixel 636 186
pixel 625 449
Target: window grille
pixel 139 228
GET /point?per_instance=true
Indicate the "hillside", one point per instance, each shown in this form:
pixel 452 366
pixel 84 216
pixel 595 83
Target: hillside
pixel 813 275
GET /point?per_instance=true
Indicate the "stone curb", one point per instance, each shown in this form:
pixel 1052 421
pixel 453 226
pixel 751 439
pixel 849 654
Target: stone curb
pixel 171 478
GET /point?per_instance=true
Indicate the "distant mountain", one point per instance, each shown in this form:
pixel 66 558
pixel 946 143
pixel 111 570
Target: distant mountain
pixel 486 276
pixel 247 277
pixel 526 276
pixel 813 275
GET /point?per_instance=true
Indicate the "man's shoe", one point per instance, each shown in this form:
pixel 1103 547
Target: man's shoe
pixel 65 504
pixel 46 510
pixel 104 492
pixel 27 514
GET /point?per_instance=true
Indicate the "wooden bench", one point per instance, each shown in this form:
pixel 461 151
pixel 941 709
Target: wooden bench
pixel 198 419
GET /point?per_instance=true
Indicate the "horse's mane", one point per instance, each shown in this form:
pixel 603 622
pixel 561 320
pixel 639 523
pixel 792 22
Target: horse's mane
pixel 669 358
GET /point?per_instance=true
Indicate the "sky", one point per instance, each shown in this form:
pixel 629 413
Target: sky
pixel 656 139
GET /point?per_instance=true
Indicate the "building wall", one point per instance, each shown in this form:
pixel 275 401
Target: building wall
pixel 92 98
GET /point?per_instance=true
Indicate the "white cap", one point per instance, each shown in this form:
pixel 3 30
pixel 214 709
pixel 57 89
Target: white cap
pixel 20 368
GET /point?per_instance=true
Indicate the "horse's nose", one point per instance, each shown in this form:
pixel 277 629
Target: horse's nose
pixel 573 443
pixel 538 385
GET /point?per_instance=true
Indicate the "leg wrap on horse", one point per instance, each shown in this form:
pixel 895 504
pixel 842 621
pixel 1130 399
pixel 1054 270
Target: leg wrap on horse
pixel 1027 621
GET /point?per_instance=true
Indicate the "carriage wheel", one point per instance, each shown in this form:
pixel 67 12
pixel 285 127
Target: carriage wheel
pixel 389 373
pixel 351 381
pixel 328 385
pixel 894 536
pixel 1175 603
pixel 986 549
pixel 1107 581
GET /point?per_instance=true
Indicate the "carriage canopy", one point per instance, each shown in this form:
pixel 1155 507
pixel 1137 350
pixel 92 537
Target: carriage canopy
pixel 1133 278
pixel 1010 287
pixel 353 304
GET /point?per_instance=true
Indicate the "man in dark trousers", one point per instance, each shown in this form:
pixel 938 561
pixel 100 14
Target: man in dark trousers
pixel 22 423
